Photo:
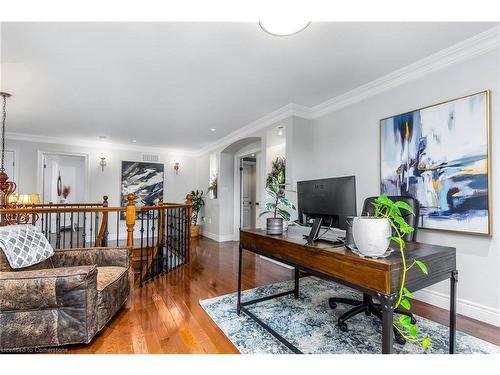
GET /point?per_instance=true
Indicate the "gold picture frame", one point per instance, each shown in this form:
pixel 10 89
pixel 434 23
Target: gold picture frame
pixel 385 187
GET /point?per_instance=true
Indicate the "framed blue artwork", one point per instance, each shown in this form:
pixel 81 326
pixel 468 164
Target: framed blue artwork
pixel 440 155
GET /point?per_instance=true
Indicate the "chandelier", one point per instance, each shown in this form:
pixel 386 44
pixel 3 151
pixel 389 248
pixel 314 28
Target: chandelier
pixel 7 188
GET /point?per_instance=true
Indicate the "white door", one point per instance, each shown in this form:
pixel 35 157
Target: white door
pixel 248 195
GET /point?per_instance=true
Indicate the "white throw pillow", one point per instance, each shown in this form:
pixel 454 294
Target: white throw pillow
pixel 24 245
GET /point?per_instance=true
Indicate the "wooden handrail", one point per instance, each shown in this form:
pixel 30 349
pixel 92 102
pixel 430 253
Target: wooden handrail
pixel 43 210
pixel 67 205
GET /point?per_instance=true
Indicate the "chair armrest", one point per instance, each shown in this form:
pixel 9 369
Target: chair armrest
pixel 46 288
pixel 100 256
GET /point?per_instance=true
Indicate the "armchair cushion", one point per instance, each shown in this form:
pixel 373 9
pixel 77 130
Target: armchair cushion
pixel 48 307
pixel 113 289
pixel 100 256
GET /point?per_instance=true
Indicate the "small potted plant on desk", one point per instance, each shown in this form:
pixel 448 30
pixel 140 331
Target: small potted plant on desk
pixel 373 235
pixel 198 203
pixel 278 207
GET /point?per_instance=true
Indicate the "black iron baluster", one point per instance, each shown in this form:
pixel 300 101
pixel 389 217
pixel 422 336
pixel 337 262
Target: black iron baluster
pixel 171 239
pixel 118 228
pixel 71 232
pixel 84 232
pixel 64 230
pixel 142 247
pixel 163 247
pixel 179 261
pixel 58 230
pixel 148 267
pixel 90 233
pixel 167 249
pixel 185 226
pixel 96 228
pixel 160 245
pixel 105 239
pixel 153 245
pixel 78 229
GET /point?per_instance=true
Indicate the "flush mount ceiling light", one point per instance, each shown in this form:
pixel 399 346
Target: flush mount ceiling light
pixel 283 27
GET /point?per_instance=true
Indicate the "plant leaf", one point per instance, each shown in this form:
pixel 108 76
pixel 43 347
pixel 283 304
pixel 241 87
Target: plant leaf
pixel 407 293
pixel 405 303
pixel 287 203
pixel 264 213
pixel 405 206
pixel 422 266
pixel 284 214
pixel 405 320
pixel 270 206
pixel 413 330
pixel 426 343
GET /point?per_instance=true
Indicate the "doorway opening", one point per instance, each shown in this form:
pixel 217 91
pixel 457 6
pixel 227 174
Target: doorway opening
pixel 248 191
pixel 64 178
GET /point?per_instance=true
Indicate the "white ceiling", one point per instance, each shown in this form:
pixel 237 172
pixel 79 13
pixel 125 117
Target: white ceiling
pixel 167 84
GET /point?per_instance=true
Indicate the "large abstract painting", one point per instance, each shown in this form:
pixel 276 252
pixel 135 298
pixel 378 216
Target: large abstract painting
pixel 440 156
pixel 145 180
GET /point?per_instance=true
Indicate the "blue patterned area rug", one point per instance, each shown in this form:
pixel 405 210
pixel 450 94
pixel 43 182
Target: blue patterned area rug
pixel 310 324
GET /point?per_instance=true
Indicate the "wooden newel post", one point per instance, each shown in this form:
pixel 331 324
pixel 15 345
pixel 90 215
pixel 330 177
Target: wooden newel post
pixel 130 219
pixel 189 202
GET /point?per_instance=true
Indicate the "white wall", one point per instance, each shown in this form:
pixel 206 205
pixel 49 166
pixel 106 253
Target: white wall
pixel 105 182
pixel 346 142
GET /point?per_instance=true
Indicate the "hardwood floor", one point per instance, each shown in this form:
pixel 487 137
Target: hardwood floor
pixel 165 317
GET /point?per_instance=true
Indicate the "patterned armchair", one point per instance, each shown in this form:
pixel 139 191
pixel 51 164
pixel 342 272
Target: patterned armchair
pixel 65 299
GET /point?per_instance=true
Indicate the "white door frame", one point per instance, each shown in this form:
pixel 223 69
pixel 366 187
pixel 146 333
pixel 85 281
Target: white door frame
pixel 41 154
pixel 237 187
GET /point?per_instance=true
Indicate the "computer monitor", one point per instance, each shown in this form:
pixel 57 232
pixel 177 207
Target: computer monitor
pixel 332 199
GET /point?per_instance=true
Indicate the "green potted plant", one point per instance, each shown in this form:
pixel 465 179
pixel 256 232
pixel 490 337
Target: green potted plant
pixel 198 203
pixel 278 173
pixel 278 206
pixel 388 222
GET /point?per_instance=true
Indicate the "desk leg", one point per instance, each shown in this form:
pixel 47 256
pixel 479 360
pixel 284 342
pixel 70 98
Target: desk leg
pixel 240 264
pixel 453 309
pixel 387 316
pixel 296 278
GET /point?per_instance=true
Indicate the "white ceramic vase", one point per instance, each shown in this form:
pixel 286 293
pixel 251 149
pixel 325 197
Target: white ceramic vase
pixel 371 235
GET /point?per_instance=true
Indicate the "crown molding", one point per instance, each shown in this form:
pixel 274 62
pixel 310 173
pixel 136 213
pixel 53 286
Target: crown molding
pixel 100 145
pixel 280 114
pixel 477 45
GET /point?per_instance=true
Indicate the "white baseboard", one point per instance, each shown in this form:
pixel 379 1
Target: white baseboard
pixel 464 307
pixel 217 237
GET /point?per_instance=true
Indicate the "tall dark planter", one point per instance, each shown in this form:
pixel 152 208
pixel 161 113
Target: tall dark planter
pixel 274 225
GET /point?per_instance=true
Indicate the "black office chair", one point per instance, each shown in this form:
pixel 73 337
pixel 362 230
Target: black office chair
pixel 367 305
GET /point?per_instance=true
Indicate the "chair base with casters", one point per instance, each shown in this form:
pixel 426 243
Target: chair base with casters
pixel 368 307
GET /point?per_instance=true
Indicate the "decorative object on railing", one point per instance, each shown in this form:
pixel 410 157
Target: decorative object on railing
pixel 21 202
pixel 7 188
pixel 159 234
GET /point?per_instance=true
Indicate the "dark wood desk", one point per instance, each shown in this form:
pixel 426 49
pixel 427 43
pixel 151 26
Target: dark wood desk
pixel 379 278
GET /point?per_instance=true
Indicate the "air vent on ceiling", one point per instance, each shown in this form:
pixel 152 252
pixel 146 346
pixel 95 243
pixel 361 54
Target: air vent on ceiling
pixel 154 158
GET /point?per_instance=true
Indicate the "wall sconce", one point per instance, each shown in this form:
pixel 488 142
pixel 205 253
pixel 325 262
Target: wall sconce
pixel 176 167
pixel 102 163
